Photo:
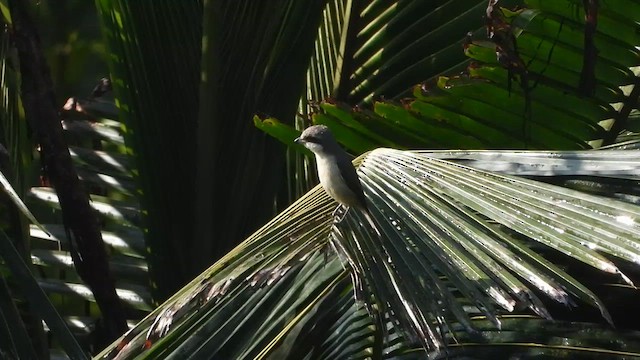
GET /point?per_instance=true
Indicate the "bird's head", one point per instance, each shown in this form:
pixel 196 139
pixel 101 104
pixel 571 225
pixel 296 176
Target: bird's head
pixel 317 138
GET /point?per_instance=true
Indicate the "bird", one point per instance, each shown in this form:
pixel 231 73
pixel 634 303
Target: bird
pixel 336 172
pixel 340 180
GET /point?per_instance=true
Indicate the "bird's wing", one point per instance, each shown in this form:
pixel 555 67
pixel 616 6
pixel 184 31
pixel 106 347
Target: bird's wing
pixel 351 178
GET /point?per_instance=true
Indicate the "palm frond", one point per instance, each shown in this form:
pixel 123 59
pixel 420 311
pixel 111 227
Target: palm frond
pixel 158 102
pixel 365 50
pixel 40 302
pixel 443 223
pixel 450 250
pixel 526 97
pixel 527 337
pixel 222 62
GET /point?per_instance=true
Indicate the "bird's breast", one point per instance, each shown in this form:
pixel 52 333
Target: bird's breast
pixel 334 183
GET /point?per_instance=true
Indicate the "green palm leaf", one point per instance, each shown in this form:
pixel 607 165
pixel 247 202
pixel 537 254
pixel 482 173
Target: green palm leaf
pixel 365 50
pixel 538 104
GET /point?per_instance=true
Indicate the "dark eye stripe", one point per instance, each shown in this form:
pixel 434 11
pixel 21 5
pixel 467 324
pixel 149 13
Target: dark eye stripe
pixel 312 139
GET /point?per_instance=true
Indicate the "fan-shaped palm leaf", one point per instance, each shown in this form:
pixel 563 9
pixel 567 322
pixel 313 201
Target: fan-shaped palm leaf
pixel 442 230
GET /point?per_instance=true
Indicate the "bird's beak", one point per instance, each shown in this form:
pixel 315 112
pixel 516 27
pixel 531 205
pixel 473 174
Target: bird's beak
pixel 298 141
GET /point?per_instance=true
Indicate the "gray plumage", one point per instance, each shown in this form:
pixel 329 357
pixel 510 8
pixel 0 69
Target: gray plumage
pixel 336 173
